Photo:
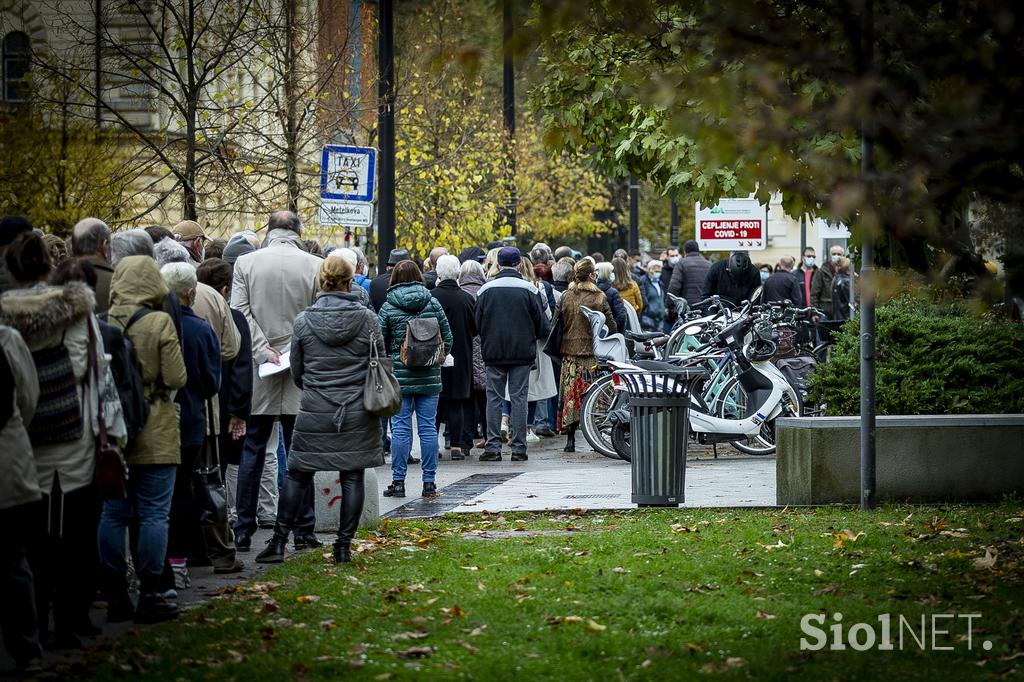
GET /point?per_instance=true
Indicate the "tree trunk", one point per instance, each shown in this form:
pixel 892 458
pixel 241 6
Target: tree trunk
pixel 192 97
pixel 291 124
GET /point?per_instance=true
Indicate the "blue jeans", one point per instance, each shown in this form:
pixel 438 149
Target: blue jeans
pixel 150 489
pixel 425 408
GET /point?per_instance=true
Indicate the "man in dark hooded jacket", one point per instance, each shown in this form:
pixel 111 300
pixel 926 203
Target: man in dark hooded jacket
pixel 733 280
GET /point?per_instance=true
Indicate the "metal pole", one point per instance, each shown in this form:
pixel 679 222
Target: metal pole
pixel 386 131
pixel 634 214
pixel 674 229
pixel 99 63
pixel 509 96
pixel 803 238
pixel 867 308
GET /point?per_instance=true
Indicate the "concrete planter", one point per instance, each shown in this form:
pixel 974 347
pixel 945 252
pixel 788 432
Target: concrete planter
pixel 928 458
pixel 328 495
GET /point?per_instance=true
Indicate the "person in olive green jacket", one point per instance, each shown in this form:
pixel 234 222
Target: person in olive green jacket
pixel 154 454
pixel 409 298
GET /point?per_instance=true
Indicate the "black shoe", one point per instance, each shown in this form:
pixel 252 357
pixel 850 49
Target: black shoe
pixel 236 567
pixel 342 554
pixel 396 489
pixel 307 541
pixel 545 432
pixel 429 490
pixel 264 525
pixel 457 454
pixel 520 457
pixel 413 460
pixel 490 457
pixel 154 608
pixel 243 541
pixel 274 552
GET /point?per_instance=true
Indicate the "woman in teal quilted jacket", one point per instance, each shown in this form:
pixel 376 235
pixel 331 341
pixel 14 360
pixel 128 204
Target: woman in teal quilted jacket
pixel 408 298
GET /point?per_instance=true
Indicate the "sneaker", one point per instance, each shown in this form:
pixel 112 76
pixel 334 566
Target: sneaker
pixel 520 457
pixel 181 577
pixel 413 460
pixel 532 437
pixel 430 489
pixel 457 454
pixel 545 432
pixel 506 432
pixel 490 457
pixel 153 608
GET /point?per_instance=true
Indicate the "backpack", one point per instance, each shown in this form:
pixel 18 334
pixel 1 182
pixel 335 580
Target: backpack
pixel 124 364
pixel 841 297
pixel 423 347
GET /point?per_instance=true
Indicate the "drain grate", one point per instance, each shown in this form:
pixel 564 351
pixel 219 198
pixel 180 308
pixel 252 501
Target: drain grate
pixel 450 496
pixel 592 497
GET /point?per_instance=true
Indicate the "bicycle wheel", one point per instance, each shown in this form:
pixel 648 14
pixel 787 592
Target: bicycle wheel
pixel 621 440
pixel 598 402
pixel 732 404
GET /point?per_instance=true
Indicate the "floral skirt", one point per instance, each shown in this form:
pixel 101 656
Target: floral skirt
pixel 578 372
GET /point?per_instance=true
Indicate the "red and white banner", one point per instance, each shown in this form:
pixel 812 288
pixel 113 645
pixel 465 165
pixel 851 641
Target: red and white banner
pixel 732 225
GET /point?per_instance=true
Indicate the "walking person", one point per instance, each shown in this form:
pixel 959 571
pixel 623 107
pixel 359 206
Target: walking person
pixel 407 300
pixel 577 347
pixel 330 350
pixel 510 318
pixel 271 287
pixel 456 381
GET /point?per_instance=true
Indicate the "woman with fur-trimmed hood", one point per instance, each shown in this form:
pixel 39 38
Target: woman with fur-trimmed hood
pixel 55 323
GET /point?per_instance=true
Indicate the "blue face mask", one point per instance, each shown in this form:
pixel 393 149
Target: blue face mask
pixel 655 276
pixel 764 276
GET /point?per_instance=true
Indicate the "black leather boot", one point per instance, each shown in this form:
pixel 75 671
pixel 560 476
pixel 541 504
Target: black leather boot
pixel 274 552
pixel 342 553
pixel 396 489
pixel 570 441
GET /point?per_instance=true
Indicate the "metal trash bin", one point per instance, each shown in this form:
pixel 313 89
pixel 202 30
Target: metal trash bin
pixel 659 425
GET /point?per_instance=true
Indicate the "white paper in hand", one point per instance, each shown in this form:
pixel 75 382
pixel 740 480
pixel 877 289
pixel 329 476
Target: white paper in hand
pixel 449 361
pixel 269 368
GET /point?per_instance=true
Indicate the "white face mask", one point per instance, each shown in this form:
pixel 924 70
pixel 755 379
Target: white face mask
pixel 835 257
pixel 809 261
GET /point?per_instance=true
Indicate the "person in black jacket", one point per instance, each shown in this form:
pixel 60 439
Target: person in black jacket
pixel 781 285
pixel 379 284
pixel 732 280
pixel 605 274
pixel 456 408
pixel 510 319
pixel 688 277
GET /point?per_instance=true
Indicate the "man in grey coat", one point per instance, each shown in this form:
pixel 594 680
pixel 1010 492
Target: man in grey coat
pixel 271 287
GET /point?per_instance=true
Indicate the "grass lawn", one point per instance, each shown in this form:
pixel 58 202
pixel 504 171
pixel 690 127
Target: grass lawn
pixel 678 594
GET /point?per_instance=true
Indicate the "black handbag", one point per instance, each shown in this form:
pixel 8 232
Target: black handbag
pixel 553 346
pixel 208 490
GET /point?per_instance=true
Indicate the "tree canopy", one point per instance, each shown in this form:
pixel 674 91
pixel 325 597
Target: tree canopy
pixel 718 98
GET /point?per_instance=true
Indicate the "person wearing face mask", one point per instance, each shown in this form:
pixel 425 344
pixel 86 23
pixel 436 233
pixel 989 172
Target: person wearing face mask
pixel 605 279
pixel 805 274
pixel 733 280
pixel 654 297
pixel 821 283
pixel 669 261
pixel 765 270
pixel 782 286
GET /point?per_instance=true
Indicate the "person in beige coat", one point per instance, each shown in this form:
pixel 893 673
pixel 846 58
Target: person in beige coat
pixel 271 287
pixel 19 489
pixel 137 295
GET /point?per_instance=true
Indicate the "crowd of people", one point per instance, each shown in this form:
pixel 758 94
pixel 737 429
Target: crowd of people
pixel 249 355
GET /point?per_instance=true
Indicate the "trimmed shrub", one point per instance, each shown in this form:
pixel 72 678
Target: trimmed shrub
pixel 931 359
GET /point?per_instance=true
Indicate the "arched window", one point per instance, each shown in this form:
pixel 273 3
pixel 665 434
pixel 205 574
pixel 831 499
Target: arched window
pixel 17 56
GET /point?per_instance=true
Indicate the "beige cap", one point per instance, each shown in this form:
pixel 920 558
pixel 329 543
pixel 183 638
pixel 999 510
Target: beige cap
pixel 187 229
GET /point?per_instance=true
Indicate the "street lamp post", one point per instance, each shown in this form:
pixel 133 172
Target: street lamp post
pixel 386 131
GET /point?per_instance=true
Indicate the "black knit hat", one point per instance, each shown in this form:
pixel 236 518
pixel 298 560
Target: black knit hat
pixel 11 226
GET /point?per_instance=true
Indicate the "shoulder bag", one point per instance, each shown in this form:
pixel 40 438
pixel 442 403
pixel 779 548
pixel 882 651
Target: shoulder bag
pixel 207 485
pixel 111 470
pixel 553 346
pixel 382 396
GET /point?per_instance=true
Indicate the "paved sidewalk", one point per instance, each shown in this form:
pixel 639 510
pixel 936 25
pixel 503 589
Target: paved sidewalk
pixel 553 479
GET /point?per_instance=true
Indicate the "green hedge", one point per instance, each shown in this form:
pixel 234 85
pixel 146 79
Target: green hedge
pixel 931 359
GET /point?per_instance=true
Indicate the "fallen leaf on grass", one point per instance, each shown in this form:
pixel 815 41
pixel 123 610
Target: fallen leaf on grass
pixel 476 632
pixel 935 525
pixel 308 599
pixel 454 612
pixel 986 562
pixel 778 545
pixel 416 652
pixel 764 614
pixel 480 586
pixel 471 568
pixel 469 647
pixel 680 528
pixel 385 676
pixel 594 626
pixel 818 573
pixel 558 620
pixel 845 536
pixel 693 647
pixel 328 624
pixel 619 569
pixel 415 634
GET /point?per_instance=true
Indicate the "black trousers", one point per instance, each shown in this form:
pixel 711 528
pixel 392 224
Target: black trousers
pixel 18 618
pixel 458 415
pixel 250 469
pixel 64 529
pixel 298 485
